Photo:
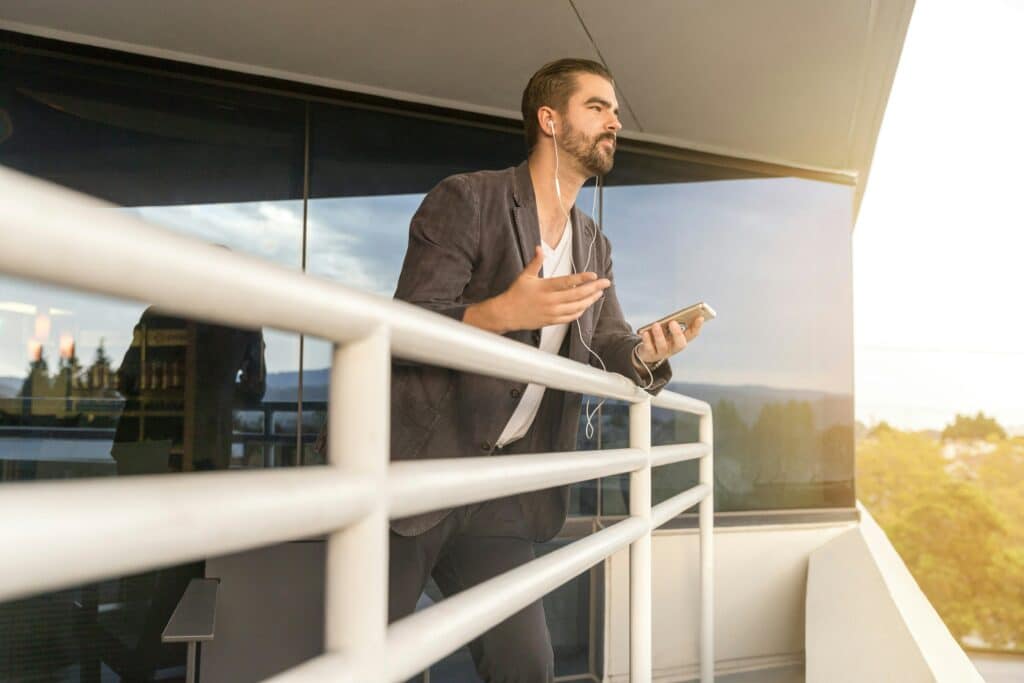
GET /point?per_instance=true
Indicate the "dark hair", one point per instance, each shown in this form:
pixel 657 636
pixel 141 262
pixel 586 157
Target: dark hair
pixel 552 86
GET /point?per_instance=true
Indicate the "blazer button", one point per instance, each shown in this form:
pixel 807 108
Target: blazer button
pixel 515 393
pixel 485 446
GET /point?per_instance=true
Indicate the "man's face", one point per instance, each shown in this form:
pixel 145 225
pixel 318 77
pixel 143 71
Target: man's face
pixel 591 124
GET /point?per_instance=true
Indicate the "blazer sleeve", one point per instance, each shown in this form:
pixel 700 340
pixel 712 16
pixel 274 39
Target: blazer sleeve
pixel 444 240
pixel 614 339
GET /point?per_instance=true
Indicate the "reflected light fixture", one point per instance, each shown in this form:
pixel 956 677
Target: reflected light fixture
pixel 17 307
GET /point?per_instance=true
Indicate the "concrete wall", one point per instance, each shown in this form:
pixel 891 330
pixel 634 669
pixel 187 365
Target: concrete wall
pixel 867 619
pixel 760 583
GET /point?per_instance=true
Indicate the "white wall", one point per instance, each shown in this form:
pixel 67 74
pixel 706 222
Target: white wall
pixel 867 619
pixel 269 614
pixel 760 583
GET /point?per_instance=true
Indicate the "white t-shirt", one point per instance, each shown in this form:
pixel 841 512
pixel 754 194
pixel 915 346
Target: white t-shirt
pixel 557 262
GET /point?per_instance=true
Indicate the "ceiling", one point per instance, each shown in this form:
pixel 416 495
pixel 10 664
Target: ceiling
pixel 801 83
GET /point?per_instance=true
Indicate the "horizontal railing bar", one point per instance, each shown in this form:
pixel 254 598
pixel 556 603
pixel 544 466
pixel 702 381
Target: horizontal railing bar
pixel 43 237
pixel 417 486
pixel 677 504
pixel 427 636
pixel 679 403
pixel 680 452
pixel 59 534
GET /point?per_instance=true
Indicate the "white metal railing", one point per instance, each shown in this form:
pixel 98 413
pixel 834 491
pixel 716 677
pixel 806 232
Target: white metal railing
pixel 59 534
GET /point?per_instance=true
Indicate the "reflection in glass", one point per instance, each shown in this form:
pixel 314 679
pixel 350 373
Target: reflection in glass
pixel 772 255
pixel 171 423
pixel 95 387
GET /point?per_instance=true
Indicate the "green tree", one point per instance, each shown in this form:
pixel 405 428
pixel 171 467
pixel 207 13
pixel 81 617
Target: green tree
pixel 787 441
pixel 950 538
pixel 955 538
pixel 1001 475
pixel 735 464
pixel 977 427
pixel 37 382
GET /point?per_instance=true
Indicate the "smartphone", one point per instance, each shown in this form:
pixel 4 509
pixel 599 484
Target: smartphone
pixel 684 316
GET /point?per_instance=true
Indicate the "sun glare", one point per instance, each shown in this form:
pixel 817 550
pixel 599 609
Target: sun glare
pixel 940 236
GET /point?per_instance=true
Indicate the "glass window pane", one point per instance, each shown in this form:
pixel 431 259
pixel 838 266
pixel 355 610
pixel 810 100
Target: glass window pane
pixel 91 386
pixel 772 257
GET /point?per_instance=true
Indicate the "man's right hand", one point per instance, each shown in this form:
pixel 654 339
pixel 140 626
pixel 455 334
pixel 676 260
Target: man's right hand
pixel 532 302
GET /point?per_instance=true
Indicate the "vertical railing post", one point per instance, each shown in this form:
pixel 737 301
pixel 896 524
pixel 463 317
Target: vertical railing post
pixel 355 601
pixel 707 555
pixel 640 625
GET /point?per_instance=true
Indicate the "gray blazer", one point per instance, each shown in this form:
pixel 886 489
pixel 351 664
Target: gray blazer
pixel 471 237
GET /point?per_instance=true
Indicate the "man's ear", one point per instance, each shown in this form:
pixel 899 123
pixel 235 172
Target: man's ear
pixel 545 116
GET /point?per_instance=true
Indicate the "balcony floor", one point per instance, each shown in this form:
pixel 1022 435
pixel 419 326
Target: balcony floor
pixel 781 674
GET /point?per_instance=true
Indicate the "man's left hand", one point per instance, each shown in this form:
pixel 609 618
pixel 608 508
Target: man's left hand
pixel 658 346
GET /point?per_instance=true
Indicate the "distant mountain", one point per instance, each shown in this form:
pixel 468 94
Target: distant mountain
pixel 829 408
pixel 10 386
pixel 284 386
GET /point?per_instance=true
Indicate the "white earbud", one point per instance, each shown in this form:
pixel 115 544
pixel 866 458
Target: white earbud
pixel 554 144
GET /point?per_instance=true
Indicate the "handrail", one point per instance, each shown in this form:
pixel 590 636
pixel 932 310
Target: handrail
pixel 46 233
pixel 63 533
pixel 422 485
pixel 43 239
pixel 426 636
pixel 678 504
pixel 678 452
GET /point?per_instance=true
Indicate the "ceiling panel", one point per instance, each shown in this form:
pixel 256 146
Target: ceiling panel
pixel 473 55
pixel 774 80
pixel 795 82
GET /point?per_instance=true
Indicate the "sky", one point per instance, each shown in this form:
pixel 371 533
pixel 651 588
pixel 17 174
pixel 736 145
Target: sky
pixel 939 242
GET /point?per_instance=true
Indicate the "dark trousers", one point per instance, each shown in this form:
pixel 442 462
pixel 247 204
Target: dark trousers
pixel 471 545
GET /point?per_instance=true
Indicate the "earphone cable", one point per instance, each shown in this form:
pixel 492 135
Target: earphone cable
pixel 598 184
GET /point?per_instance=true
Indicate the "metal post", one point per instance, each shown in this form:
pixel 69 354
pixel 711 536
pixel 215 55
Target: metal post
pixel 358 441
pixel 190 667
pixel 640 550
pixel 707 556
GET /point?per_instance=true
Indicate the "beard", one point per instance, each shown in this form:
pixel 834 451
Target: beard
pixel 590 154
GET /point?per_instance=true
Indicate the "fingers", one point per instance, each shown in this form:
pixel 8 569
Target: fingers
pixel 647 350
pixel 658 345
pixel 569 281
pixel 659 342
pixel 571 311
pixel 678 337
pixel 534 266
pixel 694 329
pixel 579 293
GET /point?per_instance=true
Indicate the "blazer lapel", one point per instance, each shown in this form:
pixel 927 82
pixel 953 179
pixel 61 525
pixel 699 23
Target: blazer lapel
pixel 582 236
pixel 524 214
pixel 527 230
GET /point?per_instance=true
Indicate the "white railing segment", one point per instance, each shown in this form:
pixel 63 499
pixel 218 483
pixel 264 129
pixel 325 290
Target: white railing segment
pixel 49 234
pixel 66 533
pixel 58 534
pixel 426 636
pixel 417 486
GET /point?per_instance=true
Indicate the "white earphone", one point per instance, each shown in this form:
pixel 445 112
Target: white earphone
pixel 558 189
pixel 590 250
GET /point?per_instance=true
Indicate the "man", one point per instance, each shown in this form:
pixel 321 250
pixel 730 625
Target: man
pixel 508 252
